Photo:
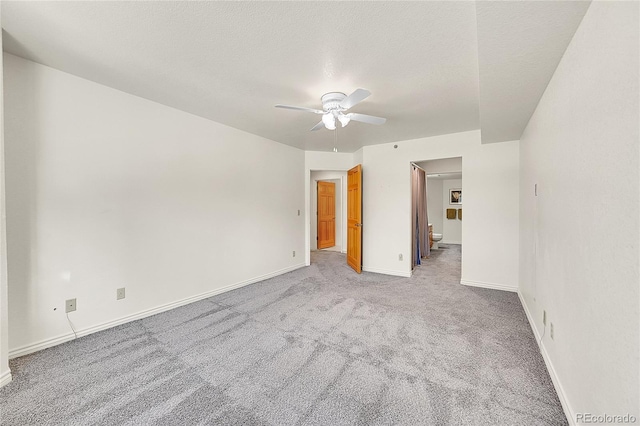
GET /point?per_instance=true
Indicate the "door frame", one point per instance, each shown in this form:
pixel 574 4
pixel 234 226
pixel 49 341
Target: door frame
pixel 311 215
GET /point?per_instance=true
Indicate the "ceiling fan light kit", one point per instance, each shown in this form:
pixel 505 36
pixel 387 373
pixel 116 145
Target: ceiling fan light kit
pixel 329 121
pixel 344 119
pixel 334 104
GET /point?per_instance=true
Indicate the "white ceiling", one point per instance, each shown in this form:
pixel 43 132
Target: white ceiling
pixel 520 45
pixel 232 62
pixel 445 176
pixel 444 167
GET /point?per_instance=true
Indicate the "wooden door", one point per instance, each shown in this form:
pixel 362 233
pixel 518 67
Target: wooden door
pixel 326 214
pixel 354 218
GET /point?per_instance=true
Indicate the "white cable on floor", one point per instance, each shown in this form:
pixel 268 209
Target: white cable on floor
pixel 71 325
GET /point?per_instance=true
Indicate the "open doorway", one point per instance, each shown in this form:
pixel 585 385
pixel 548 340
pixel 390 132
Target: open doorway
pixel 444 198
pixel 337 180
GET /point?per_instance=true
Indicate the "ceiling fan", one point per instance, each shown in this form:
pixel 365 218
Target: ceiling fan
pixel 334 105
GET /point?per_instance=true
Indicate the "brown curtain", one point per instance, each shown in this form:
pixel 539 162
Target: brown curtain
pixel 419 219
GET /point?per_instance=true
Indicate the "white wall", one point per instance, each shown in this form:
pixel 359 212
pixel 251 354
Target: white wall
pixel 5 373
pixel 108 190
pixel 358 157
pixel 451 228
pixel 320 161
pixel 340 180
pixel 490 172
pixel 579 237
pixel 434 204
pixel 490 215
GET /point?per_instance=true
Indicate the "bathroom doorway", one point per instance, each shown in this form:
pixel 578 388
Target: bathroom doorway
pixel 445 202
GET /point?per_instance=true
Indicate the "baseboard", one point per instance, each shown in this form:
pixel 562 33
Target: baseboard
pixel 47 343
pixel 5 378
pixel 387 272
pixel 564 401
pixel 491 286
pixel 43 344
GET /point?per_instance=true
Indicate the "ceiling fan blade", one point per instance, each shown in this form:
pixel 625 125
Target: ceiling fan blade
pixel 364 118
pixel 316 111
pixel 318 126
pixel 356 97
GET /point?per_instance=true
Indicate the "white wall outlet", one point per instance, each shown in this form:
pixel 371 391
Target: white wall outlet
pixel 544 317
pixel 551 330
pixel 70 305
pixel 400 256
pixel 120 293
pixel 294 253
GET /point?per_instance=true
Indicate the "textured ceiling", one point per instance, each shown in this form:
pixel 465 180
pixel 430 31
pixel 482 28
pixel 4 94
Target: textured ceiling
pixel 520 46
pixel 232 62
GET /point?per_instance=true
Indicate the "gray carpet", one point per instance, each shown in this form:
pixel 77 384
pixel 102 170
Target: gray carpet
pixel 320 345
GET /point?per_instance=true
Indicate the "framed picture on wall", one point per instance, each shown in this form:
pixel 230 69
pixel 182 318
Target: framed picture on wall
pixel 455 196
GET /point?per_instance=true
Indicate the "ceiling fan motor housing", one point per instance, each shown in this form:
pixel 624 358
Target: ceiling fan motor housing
pixel 331 101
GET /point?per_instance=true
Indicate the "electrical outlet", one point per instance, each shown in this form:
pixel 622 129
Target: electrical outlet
pixel 544 317
pixel 70 305
pixel 551 330
pixel 294 253
pixel 120 293
pixel 400 256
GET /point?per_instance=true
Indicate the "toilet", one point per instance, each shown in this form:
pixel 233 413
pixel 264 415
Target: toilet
pixel 436 238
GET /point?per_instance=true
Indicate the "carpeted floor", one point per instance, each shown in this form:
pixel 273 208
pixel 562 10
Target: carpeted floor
pixel 320 345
